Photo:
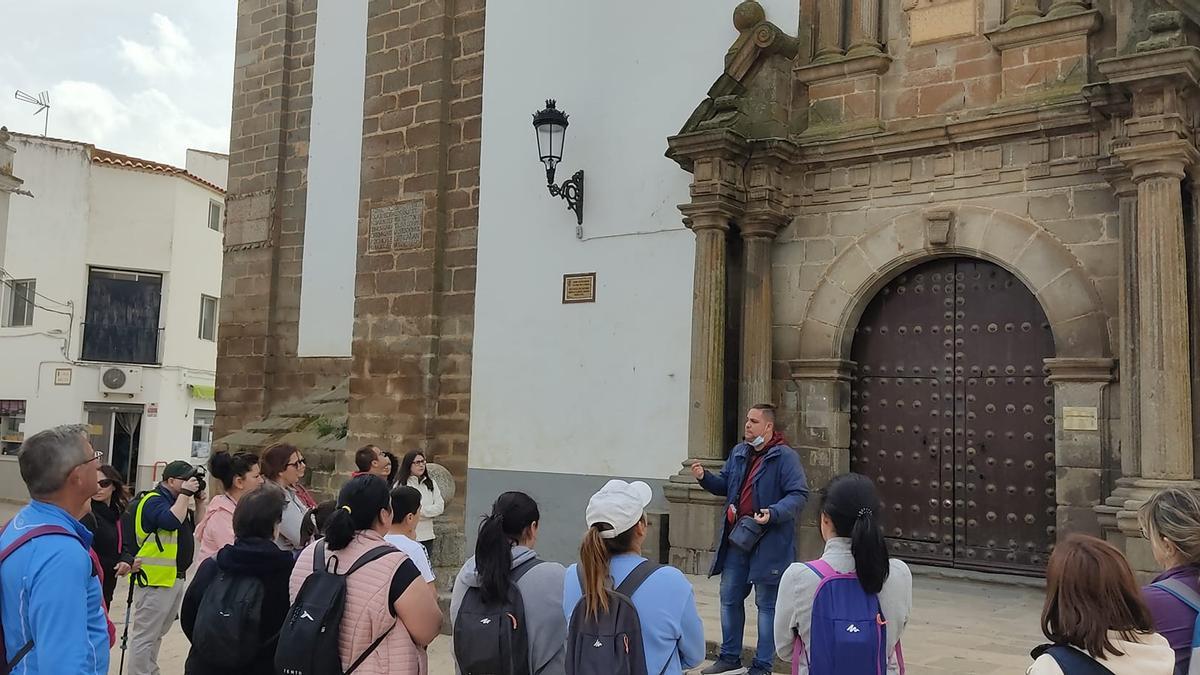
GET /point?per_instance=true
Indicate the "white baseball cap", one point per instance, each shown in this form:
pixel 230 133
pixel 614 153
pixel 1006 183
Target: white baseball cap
pixel 619 504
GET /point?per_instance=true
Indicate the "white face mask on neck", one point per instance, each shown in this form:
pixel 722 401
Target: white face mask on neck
pixel 757 442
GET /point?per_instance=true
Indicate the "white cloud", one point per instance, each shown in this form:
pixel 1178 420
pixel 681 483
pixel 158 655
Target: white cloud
pixel 171 55
pixel 86 110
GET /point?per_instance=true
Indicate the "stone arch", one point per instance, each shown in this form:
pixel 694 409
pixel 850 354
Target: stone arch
pixel 1050 271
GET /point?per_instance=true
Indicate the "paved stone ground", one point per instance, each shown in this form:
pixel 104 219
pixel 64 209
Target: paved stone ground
pixel 959 626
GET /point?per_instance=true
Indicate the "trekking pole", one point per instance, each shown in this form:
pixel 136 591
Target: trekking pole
pixel 133 579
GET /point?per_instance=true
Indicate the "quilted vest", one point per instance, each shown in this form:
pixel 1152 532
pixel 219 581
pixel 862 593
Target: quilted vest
pixel 366 615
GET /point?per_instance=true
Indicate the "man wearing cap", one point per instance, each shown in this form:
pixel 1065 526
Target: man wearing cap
pixel 765 490
pixel 672 632
pixel 163 526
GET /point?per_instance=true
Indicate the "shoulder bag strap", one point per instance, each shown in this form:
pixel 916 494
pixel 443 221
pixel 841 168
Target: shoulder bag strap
pixel 636 577
pixel 17 543
pixel 1074 662
pixel 374 645
pixel 1181 591
pixel 520 570
pixel 371 556
pixel 821 568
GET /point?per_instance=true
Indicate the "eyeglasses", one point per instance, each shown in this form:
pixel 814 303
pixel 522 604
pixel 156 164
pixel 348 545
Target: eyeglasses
pixel 296 463
pixel 107 482
pixel 96 454
pixel 418 461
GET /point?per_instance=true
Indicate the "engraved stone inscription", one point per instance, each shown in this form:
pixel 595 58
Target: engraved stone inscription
pixel 1080 419
pixel 936 20
pixel 397 226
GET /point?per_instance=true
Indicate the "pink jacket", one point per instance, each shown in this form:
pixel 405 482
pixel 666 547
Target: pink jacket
pixel 215 529
pixel 366 614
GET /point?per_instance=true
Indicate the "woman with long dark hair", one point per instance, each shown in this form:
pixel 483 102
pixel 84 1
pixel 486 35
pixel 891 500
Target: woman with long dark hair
pixel 284 465
pixel 355 529
pixel 672 633
pixel 854 544
pixel 238 474
pixel 504 547
pixel 393 468
pixel 1170 521
pixel 1094 615
pixel 104 520
pixel 414 472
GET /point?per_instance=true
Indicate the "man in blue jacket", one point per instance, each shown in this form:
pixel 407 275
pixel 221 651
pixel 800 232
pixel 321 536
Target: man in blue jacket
pixel 764 485
pixel 51 601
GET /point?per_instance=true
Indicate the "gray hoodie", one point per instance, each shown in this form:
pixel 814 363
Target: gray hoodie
pixel 541 591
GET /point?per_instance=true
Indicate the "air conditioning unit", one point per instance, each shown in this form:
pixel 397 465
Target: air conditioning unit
pixel 121 380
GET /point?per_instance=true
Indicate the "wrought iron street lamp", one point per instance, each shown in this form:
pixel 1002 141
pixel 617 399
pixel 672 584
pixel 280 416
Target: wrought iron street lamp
pixel 550 125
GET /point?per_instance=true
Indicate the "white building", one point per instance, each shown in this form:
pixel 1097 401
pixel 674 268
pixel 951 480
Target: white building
pixel 111 275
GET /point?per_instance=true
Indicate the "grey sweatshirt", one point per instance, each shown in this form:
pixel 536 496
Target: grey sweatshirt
pixel 541 591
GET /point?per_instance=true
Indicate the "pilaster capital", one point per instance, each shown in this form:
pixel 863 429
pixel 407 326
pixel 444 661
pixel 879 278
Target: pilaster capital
pixel 708 215
pixel 1098 370
pixel 1119 177
pixel 762 223
pixel 1158 159
pixel 830 370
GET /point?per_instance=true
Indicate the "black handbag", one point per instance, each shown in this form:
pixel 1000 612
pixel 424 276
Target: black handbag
pixel 746 533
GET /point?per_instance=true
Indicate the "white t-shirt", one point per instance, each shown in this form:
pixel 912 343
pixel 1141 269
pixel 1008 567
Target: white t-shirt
pixel 415 551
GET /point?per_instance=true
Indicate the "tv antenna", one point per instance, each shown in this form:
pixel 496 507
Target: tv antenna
pixel 42 101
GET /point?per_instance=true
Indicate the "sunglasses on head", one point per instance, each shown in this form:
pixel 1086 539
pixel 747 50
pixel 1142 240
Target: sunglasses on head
pixel 107 482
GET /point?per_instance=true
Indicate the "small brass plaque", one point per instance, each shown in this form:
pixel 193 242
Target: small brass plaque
pixel 1080 419
pixel 579 288
pixel 62 376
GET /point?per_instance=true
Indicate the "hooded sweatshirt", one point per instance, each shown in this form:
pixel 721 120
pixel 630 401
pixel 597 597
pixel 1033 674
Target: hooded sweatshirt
pixel 254 557
pixel 541 592
pixel 215 529
pixel 1151 655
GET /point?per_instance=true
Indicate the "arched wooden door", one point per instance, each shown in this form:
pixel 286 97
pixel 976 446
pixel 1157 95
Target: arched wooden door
pixel 953 418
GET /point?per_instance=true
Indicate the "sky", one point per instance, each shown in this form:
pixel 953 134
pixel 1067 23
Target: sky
pixel 148 78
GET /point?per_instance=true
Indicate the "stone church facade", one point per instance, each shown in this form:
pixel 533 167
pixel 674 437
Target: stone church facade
pixel 954 241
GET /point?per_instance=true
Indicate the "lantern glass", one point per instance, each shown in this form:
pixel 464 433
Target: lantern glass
pixel 550 125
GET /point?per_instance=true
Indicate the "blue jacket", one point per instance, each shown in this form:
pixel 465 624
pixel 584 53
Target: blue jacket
pixel 49 594
pixel 781 487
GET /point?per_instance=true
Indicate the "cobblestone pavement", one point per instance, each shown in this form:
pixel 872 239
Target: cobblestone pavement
pixel 958 626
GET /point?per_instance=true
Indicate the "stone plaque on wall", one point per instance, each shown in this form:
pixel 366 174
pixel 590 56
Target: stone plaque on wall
pixel 937 20
pixel 397 226
pixel 579 288
pixel 1080 419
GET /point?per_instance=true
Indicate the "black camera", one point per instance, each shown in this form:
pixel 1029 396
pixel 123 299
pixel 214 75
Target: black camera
pixel 200 474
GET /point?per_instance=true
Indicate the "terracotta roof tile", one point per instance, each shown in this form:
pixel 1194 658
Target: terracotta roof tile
pixel 100 156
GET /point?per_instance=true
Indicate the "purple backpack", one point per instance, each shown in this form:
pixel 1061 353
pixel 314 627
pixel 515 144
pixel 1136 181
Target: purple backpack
pixel 849 633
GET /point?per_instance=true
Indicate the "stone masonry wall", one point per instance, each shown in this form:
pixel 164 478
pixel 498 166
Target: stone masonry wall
pixel 415 294
pixel 257 366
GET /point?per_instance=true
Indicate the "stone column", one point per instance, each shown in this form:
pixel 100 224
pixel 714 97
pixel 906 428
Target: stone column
pixel 1064 7
pixel 1022 12
pixel 706 389
pixel 1163 335
pixel 829 30
pixel 864 28
pixel 755 380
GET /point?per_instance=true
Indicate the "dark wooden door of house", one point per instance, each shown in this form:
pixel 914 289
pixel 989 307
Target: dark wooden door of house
pixel 953 418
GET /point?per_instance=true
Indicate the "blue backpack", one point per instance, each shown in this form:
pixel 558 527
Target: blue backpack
pixel 849 633
pixel 1188 597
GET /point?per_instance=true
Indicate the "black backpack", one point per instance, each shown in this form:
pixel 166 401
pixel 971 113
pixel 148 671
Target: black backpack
pixel 491 638
pixel 611 642
pixel 227 622
pixel 308 641
pixel 1071 661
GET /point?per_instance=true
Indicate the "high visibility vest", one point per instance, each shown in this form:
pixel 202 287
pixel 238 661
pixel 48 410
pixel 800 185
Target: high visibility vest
pixel 158 550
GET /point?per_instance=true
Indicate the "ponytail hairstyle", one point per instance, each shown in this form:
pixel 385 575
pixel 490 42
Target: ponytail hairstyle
pixel 358 505
pixel 511 516
pixel 595 553
pixel 854 508
pixel 226 467
pixel 406 468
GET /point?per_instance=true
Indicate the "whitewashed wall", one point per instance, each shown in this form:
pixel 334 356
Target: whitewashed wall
pixel 592 389
pixel 334 155
pixel 91 215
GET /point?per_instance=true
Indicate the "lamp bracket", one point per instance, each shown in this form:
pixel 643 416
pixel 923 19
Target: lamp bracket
pixel 572 191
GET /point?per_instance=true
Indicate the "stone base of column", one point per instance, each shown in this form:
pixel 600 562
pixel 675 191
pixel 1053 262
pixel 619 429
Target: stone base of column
pixel 1121 509
pixel 694 517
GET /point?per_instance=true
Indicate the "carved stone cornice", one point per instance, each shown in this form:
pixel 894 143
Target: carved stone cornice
pixel 834 370
pixel 1043 30
pixel 1169 158
pixel 876 64
pixel 685 149
pixel 1148 69
pixel 1082 370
